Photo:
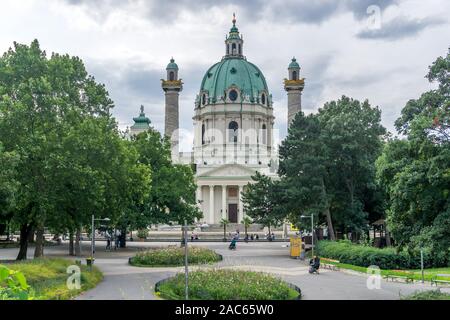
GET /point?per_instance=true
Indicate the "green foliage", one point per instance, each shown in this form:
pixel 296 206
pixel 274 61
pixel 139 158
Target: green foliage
pixel 364 256
pixel 327 164
pixel 174 256
pixel 262 199
pixel 227 285
pixel 47 278
pixel 172 199
pixel 428 295
pixel 142 233
pixel 415 171
pixel 13 285
pixel 56 120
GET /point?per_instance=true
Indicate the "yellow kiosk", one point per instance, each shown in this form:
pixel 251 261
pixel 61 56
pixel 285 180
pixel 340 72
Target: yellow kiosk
pixel 296 247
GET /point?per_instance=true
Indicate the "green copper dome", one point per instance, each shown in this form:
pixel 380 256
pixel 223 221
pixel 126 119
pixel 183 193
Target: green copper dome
pixel 237 73
pixel 172 65
pixel 141 122
pixel 294 64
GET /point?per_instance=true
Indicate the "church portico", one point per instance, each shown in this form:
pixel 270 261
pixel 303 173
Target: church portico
pixel 221 199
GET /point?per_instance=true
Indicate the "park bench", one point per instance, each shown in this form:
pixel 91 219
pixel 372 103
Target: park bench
pixel 437 281
pixel 407 278
pixel 330 266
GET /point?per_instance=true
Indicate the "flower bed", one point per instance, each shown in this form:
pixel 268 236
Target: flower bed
pixel 227 285
pixel 174 256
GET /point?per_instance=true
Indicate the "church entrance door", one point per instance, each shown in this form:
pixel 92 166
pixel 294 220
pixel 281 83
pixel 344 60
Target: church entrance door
pixel 232 213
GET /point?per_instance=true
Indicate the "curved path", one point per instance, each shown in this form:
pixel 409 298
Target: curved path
pixel 123 282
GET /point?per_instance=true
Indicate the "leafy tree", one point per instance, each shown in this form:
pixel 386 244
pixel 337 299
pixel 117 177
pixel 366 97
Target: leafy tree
pixel 415 171
pixel 44 102
pixel 172 199
pixel 327 164
pixel 247 222
pixel 224 223
pixel 8 186
pixel 261 201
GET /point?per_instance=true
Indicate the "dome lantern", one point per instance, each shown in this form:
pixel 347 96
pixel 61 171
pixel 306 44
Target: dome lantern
pixel 234 42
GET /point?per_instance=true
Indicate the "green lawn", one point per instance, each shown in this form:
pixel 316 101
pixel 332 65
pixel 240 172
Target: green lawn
pixel 415 274
pixel 47 277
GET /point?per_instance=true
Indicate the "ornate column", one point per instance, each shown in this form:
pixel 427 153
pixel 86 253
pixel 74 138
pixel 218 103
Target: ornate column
pixel 241 205
pixel 211 204
pixel 224 202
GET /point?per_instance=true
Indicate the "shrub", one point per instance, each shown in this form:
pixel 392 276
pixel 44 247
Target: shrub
pixel 174 256
pixel 142 233
pixel 227 285
pixel 386 258
pixel 13 285
pixel 428 295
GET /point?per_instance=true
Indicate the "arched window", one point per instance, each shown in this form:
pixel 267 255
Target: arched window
pixel 233 127
pixel 203 133
pixel 294 75
pixel 204 99
pixel 171 76
pixel 263 99
pixel 264 134
pixel 233 48
pixel 240 49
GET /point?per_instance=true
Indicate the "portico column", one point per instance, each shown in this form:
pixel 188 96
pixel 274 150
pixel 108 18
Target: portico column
pixel 224 202
pixel 199 198
pixel 241 205
pixel 211 204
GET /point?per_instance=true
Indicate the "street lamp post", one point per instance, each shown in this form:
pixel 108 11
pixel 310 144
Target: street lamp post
pixel 93 237
pixel 312 232
pixel 186 267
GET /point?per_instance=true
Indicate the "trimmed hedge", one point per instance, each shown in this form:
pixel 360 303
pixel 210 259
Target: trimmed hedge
pixel 174 256
pixel 225 284
pixel 386 258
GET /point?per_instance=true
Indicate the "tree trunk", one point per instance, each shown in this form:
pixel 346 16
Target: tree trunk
pixel 25 230
pixel 78 243
pixel 388 237
pixel 331 234
pixel 31 235
pixel 123 238
pixel 39 249
pixel 71 247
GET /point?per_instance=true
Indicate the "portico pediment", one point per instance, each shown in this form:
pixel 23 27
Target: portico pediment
pixel 229 170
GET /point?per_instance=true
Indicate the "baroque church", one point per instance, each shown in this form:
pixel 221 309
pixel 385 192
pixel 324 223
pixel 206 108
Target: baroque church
pixel 233 128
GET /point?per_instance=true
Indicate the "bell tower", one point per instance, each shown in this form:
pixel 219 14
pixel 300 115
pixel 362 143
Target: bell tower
pixel 294 86
pixel 172 87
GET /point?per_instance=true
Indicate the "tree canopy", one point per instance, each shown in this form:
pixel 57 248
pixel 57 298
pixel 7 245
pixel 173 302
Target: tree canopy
pixel 415 171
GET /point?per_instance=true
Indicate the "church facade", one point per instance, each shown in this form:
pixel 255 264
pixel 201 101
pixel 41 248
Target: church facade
pixel 233 128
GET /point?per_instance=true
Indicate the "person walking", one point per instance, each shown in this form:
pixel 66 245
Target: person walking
pixel 108 241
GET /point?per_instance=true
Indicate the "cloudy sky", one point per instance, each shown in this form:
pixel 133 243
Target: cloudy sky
pixel 374 49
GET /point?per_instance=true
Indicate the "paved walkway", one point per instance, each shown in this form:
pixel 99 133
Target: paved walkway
pixel 123 282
